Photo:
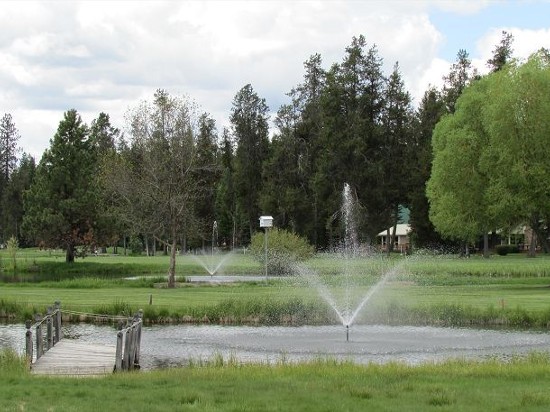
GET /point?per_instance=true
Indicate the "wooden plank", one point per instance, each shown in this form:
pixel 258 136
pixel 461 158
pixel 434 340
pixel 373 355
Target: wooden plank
pixel 75 358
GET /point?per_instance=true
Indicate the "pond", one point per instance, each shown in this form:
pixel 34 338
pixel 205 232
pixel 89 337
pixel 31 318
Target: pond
pixel 170 346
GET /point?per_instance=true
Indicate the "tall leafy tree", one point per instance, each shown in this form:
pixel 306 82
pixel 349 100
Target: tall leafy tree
pixel 249 121
pixel 517 117
pixel 61 206
pixel 459 185
pixel 429 112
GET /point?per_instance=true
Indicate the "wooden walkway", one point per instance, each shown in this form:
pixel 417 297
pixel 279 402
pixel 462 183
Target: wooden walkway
pixel 73 358
pixel 49 354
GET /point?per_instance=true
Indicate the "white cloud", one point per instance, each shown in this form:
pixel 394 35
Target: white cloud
pixel 525 42
pixel 107 56
pixel 462 6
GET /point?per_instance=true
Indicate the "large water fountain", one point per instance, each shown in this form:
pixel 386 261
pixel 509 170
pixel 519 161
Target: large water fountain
pixel 341 290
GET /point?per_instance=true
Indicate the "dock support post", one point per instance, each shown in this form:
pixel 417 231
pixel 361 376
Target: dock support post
pixel 28 341
pixel 57 323
pixel 138 338
pixel 39 342
pixel 118 355
pixel 127 355
pixel 49 329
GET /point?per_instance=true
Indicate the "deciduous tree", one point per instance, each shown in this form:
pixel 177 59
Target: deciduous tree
pixel 157 175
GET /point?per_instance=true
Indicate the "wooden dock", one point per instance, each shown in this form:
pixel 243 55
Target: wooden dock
pixel 73 358
pixel 49 354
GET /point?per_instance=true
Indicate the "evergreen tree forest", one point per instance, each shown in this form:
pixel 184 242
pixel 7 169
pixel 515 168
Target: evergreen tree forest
pixel 172 173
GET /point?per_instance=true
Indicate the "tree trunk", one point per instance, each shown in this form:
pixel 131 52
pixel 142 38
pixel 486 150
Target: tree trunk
pixel 234 233
pixel 393 234
pixel 172 268
pixel 532 246
pixel 534 236
pixel 69 254
pixel 541 236
pixel 486 245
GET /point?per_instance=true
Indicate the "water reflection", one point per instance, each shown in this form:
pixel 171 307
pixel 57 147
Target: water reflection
pixel 169 346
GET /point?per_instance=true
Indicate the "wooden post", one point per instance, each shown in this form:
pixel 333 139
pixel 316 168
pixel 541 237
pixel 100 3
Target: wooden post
pixel 49 329
pixel 126 356
pixel 28 341
pixel 132 348
pixel 57 322
pixel 138 338
pixel 39 345
pixel 118 355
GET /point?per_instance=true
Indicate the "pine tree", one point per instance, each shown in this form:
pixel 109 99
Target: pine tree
pixel 61 206
pixel 249 120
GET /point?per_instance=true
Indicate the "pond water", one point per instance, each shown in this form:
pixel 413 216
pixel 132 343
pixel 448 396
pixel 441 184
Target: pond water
pixel 168 346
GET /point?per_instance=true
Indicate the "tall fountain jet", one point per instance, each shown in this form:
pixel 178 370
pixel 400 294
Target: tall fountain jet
pixel 350 303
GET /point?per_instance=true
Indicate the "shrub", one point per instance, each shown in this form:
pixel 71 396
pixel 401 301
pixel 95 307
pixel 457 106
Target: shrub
pixel 503 250
pixel 135 245
pixel 283 249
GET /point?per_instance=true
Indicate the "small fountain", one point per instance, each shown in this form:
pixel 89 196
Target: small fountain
pixel 212 263
pixel 348 307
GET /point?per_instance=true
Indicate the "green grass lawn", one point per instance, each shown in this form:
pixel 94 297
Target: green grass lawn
pixel 442 291
pixel 521 384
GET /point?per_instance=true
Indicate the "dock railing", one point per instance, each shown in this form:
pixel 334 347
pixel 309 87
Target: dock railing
pixel 47 332
pixel 128 344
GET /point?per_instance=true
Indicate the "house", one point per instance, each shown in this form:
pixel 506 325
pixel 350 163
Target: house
pixel 401 241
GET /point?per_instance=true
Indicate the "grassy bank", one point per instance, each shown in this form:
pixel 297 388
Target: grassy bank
pixel 521 384
pixel 501 291
pixel 521 306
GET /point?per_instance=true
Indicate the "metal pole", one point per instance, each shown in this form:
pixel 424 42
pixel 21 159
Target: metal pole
pixel 265 238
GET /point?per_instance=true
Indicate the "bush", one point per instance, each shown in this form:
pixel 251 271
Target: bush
pixel 136 246
pixel 283 249
pixel 503 250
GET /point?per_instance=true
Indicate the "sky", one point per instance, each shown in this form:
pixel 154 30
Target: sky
pixel 108 56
